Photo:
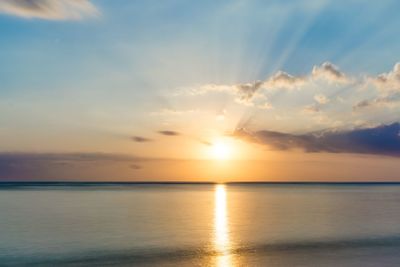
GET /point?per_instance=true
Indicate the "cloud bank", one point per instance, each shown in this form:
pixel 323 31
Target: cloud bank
pixel 68 166
pixel 248 93
pixel 324 75
pixel 380 140
pixel 49 9
pixel 324 98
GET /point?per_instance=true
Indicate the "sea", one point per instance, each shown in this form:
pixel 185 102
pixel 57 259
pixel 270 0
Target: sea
pixel 200 224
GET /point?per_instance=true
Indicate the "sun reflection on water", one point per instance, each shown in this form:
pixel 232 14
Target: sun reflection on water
pixel 222 242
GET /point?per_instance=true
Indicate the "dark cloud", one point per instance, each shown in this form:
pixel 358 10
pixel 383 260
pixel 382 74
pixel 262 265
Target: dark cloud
pixel 59 166
pixel 140 139
pixel 169 133
pixel 67 157
pixel 381 140
pixel 135 167
pixel 362 104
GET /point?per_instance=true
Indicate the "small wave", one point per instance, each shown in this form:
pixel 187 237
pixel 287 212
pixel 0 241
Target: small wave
pixel 331 244
pixel 138 257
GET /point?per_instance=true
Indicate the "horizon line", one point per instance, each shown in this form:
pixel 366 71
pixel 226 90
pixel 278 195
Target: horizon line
pixel 60 183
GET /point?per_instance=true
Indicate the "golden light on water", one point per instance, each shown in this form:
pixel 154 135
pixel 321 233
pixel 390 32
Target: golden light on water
pixel 221 220
pixel 222 242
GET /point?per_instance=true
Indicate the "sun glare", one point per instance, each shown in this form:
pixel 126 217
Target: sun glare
pixel 222 241
pixel 221 150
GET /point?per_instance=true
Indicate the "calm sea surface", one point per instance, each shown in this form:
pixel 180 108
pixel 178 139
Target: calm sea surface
pixel 200 225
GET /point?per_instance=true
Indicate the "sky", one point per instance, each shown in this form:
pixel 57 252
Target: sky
pixel 96 90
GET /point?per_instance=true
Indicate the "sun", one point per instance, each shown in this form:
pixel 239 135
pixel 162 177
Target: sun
pixel 221 150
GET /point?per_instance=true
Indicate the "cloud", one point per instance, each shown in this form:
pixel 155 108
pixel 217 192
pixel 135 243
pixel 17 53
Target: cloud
pixel 380 140
pixel 311 109
pixel 389 101
pixel 389 81
pixel 321 99
pixel 283 80
pixel 140 139
pixel 249 94
pixel 172 112
pixel 135 167
pixel 169 133
pixel 64 157
pixel 328 71
pixel 245 92
pixel 68 166
pixel 49 9
pixel 204 89
pixel 388 95
pixel 362 104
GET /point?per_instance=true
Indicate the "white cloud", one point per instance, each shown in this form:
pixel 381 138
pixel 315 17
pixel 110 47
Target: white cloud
pixel 329 72
pixel 49 9
pixel 283 80
pixel 388 91
pixel 387 81
pixel 304 98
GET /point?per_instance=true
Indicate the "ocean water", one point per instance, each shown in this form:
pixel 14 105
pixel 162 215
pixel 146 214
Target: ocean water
pixel 200 225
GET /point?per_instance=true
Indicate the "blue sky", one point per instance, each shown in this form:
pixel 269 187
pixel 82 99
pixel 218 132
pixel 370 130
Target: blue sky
pixel 85 76
pixel 266 36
